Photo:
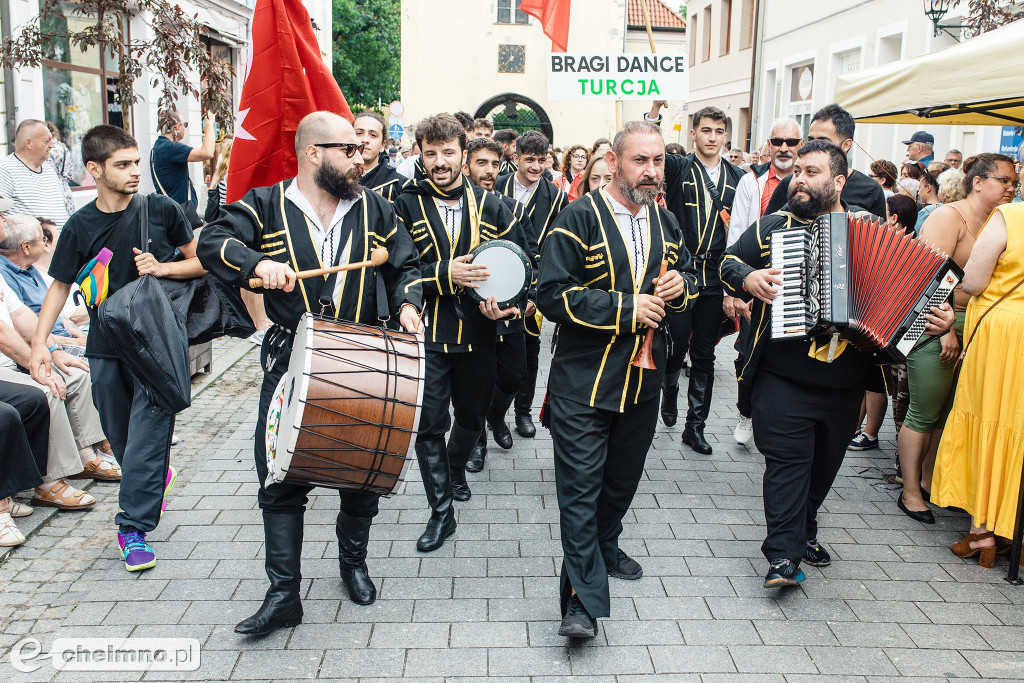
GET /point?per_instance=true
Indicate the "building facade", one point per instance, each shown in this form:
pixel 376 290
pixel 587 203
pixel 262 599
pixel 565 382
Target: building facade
pixel 488 58
pixel 76 90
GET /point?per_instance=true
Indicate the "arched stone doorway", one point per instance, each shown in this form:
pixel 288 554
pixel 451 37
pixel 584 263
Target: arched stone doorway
pixel 520 113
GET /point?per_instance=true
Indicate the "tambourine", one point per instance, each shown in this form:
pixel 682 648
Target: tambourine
pixel 509 272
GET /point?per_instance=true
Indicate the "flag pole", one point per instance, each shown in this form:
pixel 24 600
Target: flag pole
pixel 647 24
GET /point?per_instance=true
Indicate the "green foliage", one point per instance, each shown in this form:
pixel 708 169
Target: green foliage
pixel 367 50
pixel 682 10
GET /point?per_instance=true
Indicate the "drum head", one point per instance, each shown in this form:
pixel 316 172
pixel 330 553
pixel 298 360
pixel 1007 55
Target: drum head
pixel 284 416
pixel 509 272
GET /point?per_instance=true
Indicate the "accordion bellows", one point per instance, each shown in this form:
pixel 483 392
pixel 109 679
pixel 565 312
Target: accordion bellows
pixel 860 277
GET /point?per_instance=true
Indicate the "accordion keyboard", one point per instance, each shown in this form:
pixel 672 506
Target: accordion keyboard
pixel 794 311
pixel 943 285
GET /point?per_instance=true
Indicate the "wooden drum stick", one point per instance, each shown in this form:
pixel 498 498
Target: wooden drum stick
pixel 378 256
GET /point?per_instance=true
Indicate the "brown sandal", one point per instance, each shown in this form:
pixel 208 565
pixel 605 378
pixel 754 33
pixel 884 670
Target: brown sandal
pixel 987 554
pixel 63 497
pixel 100 470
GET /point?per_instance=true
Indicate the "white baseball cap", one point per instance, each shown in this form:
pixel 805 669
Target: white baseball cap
pixel 6 204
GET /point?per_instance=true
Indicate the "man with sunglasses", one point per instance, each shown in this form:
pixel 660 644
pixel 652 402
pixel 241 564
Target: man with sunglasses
pixel 322 217
pixel 753 193
pixel 836 125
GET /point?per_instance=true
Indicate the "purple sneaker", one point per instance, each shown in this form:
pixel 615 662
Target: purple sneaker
pixel 137 553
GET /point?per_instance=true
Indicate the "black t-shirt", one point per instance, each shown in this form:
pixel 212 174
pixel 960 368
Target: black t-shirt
pixel 87 231
pixel 859 190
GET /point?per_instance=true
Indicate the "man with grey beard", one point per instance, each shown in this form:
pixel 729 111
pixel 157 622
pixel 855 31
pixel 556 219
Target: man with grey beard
pixel 599 281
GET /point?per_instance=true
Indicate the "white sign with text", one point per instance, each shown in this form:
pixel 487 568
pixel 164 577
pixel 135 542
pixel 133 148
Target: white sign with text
pixel 585 76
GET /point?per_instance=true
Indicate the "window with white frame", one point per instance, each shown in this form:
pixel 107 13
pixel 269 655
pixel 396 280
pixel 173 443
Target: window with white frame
pixel 508 12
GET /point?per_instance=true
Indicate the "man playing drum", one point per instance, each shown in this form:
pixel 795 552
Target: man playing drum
pixel 322 217
pixel 448 217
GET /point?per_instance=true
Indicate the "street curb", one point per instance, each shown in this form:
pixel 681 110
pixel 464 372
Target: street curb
pixel 41 516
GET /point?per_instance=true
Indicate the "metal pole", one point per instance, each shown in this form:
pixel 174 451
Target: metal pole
pixel 1018 536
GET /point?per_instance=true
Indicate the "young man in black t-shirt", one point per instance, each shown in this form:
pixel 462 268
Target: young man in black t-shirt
pixel 138 431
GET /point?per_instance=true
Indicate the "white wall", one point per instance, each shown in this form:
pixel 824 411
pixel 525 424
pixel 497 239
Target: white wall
pixel 846 36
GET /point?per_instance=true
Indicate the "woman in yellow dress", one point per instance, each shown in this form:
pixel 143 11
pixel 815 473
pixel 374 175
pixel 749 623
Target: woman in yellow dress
pixel 978 466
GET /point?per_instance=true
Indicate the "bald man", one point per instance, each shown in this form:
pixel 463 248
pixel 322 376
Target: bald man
pixel 322 217
pixel 28 178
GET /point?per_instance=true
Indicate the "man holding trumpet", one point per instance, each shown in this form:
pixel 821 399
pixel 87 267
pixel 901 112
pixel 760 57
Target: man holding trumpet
pixel 601 280
pixel 320 219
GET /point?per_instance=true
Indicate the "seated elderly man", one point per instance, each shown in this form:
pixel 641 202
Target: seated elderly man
pixel 19 251
pixel 76 438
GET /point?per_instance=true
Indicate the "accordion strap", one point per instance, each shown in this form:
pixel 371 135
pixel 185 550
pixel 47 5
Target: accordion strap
pixel 963 354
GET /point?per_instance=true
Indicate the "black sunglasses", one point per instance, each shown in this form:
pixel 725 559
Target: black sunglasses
pixel 778 142
pixel 350 147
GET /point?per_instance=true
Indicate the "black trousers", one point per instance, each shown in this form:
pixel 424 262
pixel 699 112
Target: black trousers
pixel 511 359
pixel 465 381
pixel 287 497
pixel 696 330
pixel 140 436
pixel 744 389
pixel 24 433
pixel 802 432
pixel 524 399
pixel 599 460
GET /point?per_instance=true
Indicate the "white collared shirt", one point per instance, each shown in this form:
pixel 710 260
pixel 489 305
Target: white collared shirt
pixel 327 242
pixel 452 217
pixel 523 192
pixel 635 234
pixel 712 171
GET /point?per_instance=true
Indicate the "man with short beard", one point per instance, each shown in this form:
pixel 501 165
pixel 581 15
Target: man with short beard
pixel 482 162
pixel 378 173
pixel 448 217
pixel 806 393
pixel 753 193
pixel 530 184
pixel 598 280
pixel 320 218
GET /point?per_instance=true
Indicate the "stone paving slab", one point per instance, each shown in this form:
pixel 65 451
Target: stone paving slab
pixel 895 604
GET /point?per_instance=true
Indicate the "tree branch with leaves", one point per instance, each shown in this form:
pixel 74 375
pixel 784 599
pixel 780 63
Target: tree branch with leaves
pixel 173 54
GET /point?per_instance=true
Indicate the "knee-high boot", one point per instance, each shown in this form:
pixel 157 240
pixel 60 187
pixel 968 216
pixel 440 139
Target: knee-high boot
pixel 699 399
pixel 478 455
pixel 460 444
pixel 433 461
pixel 670 398
pixel 282 606
pixel 353 535
pixel 524 404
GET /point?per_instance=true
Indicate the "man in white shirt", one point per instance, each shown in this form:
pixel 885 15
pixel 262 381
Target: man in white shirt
pixel 27 176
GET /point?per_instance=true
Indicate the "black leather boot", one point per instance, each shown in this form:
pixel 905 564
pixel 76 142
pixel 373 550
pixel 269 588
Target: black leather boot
pixel 478 455
pixel 282 606
pixel 353 535
pixel 699 400
pixel 524 404
pixel 433 461
pixel 500 403
pixel 460 443
pixel 670 398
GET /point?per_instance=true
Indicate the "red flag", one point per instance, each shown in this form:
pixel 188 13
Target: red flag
pixel 554 17
pixel 285 79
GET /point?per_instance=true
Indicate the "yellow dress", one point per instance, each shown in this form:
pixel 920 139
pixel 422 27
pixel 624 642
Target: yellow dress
pixel 978 467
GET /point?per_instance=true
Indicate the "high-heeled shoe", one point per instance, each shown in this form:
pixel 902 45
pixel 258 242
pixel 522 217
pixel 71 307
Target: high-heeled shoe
pixel 986 554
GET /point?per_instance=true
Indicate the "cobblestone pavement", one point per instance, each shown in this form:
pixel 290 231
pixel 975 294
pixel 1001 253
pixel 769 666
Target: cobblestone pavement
pixel 895 603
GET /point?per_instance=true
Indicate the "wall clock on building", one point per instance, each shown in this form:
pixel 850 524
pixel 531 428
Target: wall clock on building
pixel 511 59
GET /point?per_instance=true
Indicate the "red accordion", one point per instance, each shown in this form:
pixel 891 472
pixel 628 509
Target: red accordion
pixel 860 277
